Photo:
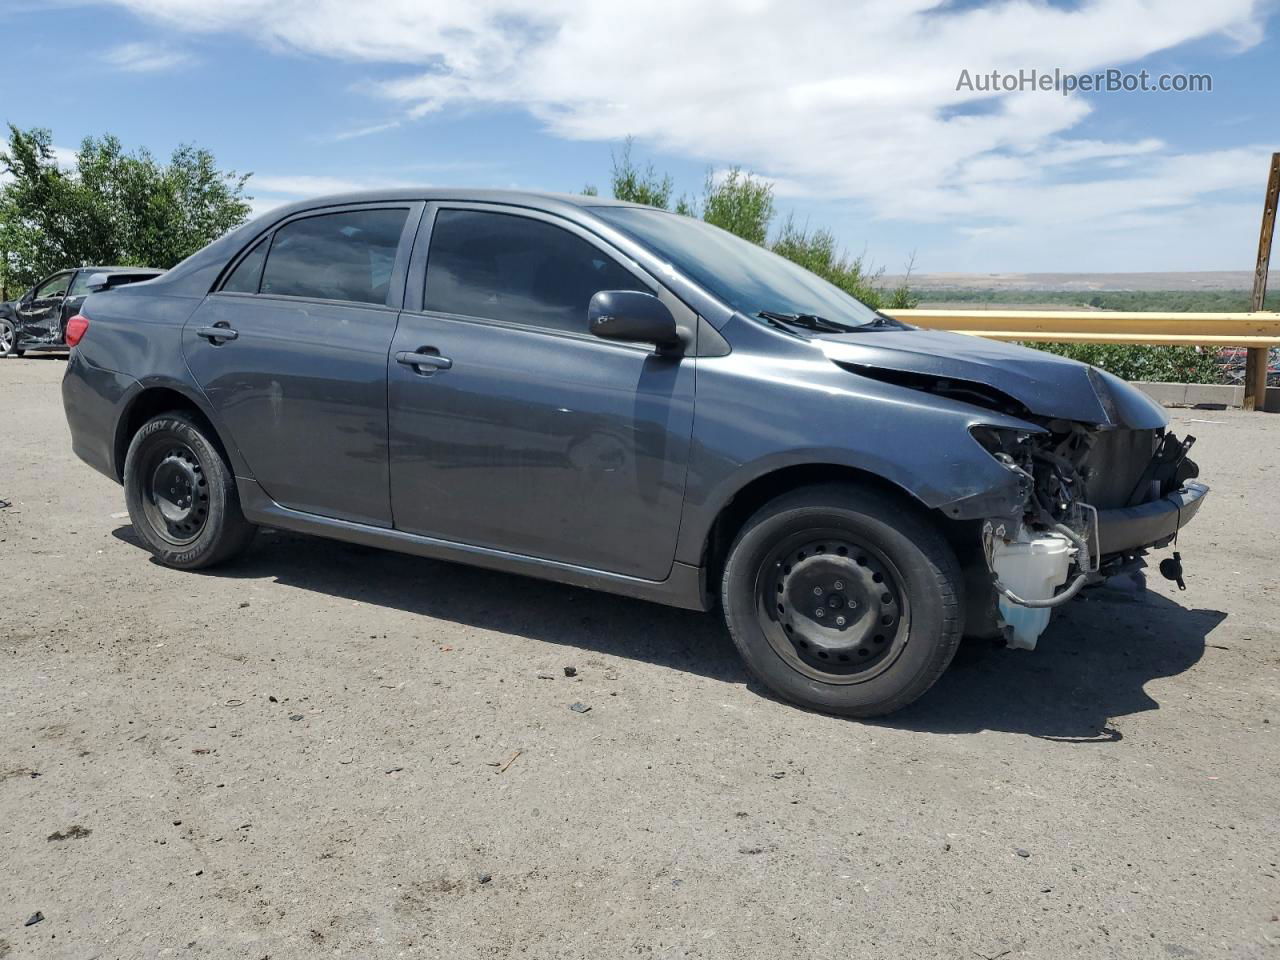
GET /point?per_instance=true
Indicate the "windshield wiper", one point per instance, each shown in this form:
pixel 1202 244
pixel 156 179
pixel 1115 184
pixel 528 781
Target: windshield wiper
pixel 811 321
pixel 806 321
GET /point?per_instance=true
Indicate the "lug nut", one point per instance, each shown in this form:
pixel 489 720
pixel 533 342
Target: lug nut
pixel 839 584
pixel 839 621
pixel 820 613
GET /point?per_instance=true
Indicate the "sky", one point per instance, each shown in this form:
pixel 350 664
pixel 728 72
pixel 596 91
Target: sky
pixel 851 109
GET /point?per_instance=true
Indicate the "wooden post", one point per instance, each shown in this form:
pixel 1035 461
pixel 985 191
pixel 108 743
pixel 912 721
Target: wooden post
pixel 1255 369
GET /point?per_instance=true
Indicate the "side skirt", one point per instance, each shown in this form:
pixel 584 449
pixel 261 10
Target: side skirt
pixel 684 586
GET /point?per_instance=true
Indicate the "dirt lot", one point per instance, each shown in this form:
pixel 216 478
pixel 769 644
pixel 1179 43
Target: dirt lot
pixel 331 751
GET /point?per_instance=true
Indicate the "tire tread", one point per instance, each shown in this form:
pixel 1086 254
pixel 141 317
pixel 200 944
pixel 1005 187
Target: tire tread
pixel 909 521
pixel 235 533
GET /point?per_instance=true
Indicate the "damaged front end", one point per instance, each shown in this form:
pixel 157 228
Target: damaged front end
pixel 1095 478
pixel 1095 500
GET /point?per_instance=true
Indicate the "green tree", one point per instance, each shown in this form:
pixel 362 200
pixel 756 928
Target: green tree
pixel 636 185
pixel 740 203
pixel 1132 362
pixel 113 207
pixel 817 251
pixel 686 206
pixel 27 241
pixel 901 297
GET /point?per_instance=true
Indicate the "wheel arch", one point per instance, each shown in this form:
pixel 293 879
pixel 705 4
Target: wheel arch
pixel 768 485
pixel 12 323
pixel 154 399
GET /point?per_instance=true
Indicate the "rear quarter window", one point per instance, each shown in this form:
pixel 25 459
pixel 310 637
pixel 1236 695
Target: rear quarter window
pixel 248 272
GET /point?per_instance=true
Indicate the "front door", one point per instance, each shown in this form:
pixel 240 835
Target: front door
pixel 521 431
pixel 39 317
pixel 292 354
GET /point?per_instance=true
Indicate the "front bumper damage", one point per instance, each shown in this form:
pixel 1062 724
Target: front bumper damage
pixel 1093 479
pixel 1095 502
pixel 1149 525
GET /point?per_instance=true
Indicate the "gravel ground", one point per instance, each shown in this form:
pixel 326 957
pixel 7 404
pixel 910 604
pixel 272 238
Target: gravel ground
pixel 326 750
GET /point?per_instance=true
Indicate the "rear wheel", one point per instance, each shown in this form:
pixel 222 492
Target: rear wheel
pixel 182 496
pixel 843 600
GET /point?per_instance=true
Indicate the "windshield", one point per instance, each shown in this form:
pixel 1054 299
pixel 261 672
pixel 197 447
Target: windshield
pixel 747 277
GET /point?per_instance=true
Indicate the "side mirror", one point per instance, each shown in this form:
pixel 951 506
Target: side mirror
pixel 632 316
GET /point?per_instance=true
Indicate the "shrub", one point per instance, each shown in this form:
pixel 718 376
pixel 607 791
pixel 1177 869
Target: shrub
pixel 1131 362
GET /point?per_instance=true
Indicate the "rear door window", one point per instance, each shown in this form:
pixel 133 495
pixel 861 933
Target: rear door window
pixel 335 256
pixel 516 269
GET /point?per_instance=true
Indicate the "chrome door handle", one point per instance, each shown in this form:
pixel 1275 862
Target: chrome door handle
pixel 216 334
pixel 418 359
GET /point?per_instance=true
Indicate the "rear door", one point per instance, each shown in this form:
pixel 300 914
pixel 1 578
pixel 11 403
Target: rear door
pixel 292 353
pixel 75 298
pixel 527 434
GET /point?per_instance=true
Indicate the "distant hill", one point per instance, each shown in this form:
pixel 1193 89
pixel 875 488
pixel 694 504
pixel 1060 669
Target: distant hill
pixel 1225 280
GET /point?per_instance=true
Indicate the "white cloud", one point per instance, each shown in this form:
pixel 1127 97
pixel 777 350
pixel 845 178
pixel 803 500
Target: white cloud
pixel 145 58
pixel 65 157
pixel 366 131
pixel 855 101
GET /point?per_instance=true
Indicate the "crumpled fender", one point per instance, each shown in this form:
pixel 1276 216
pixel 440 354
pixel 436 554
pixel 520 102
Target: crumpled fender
pixel 1045 384
pixel 777 401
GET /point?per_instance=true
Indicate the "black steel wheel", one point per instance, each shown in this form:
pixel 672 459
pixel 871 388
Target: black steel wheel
pixel 832 607
pixel 842 599
pixel 181 494
pixel 175 497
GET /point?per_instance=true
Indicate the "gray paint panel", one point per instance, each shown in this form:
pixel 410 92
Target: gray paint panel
pixel 302 390
pixel 776 401
pixel 683 587
pixel 567 448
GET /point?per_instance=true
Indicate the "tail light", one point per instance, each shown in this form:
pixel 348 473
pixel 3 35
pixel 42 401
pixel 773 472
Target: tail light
pixel 77 327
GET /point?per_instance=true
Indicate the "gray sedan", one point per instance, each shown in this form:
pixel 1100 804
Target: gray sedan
pixel 626 399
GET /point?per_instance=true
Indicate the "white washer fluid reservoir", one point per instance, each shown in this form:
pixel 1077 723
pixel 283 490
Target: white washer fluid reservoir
pixel 1032 566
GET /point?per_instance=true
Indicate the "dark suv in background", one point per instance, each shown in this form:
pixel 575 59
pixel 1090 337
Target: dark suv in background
pixel 39 317
pixel 621 398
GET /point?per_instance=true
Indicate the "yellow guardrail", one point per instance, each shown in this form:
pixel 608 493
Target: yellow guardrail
pixel 1257 330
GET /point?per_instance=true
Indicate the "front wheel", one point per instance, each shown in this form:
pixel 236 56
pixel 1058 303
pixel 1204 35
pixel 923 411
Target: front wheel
pixel 182 496
pixel 843 599
pixel 8 339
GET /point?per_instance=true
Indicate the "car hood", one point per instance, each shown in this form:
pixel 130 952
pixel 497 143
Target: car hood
pixel 1046 384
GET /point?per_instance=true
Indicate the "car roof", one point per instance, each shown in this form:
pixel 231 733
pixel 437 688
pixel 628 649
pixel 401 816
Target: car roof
pixel 524 198
pixel 195 275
